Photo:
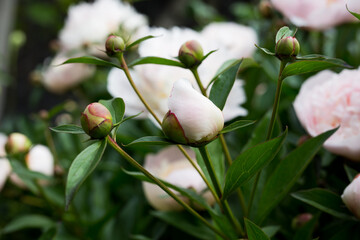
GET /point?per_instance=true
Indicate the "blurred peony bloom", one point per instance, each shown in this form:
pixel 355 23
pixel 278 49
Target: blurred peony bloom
pixel 171 165
pixel 351 196
pixel 5 168
pixel 17 143
pixel 329 100
pixel 192 118
pixel 155 81
pixel 59 78
pixel 319 14
pixel 89 24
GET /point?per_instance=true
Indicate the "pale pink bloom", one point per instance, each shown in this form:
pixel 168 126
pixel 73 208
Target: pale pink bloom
pixel 171 165
pixel 329 100
pixel 351 196
pixel 59 78
pixel 317 14
pixel 5 168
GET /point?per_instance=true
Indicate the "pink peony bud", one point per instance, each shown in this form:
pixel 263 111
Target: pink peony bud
pixel 17 143
pixel 300 220
pixel 351 196
pixel 287 48
pixel 191 54
pixel 96 120
pixel 192 118
pixel 114 45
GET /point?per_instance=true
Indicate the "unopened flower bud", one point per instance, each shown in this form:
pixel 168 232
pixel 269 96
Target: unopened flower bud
pixel 96 120
pixel 351 196
pixel 17 143
pixel 114 45
pixel 191 53
pixel 287 48
pixel 192 118
pixel 300 220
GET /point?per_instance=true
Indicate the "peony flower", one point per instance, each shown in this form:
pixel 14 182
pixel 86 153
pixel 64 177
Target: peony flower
pixel 329 100
pixel 192 118
pixel 155 81
pixel 351 196
pixel 319 14
pixel 5 168
pixel 59 78
pixel 171 165
pixel 90 23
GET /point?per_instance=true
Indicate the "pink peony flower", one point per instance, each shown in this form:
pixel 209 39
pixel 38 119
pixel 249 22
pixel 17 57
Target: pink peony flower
pixel 351 196
pixel 329 100
pixel 317 14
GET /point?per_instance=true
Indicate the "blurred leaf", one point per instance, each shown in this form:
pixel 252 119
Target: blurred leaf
pixel 248 63
pixel 223 84
pixel 186 223
pixel 82 166
pixel 250 162
pixel 350 172
pixel 28 221
pixel 305 232
pixel 236 125
pixel 156 60
pixel 139 237
pixel 49 234
pixel 151 140
pixel 254 232
pixel 68 128
pixel 116 106
pixel 91 60
pixel 271 230
pixel 138 41
pixel 325 201
pixel 283 33
pixel 287 172
pixel 353 13
pixel 308 66
pixel 24 172
pixel 265 50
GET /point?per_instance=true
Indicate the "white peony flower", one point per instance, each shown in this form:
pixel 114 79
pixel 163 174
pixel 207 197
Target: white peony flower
pixel 351 196
pixel 329 100
pixel 192 118
pixel 5 168
pixel 170 165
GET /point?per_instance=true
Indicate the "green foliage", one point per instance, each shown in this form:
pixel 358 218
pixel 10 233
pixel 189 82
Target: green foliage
pixel 254 232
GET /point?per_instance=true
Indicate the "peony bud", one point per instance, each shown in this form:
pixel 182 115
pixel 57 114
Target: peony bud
pixel 351 196
pixel 192 118
pixel 17 143
pixel 114 45
pixel 96 120
pixel 191 54
pixel 300 220
pixel 287 48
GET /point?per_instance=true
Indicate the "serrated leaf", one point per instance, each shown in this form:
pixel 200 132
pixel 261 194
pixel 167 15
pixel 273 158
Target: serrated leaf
pixel 236 125
pixel 116 106
pixel 28 221
pixel 265 50
pixel 156 60
pixel 151 140
pixel 357 15
pixel 68 128
pixel 284 32
pixel 254 232
pixel 325 201
pixel 91 60
pixel 82 166
pixel 286 174
pixel 308 66
pixel 138 41
pixel 251 162
pixel 223 84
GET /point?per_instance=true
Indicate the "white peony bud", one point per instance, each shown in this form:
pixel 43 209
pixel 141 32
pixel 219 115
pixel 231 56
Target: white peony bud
pixel 171 165
pixel 351 196
pixel 192 118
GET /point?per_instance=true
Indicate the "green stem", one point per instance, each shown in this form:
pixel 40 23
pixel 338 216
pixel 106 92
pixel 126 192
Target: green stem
pixel 162 186
pixel 271 127
pixel 197 78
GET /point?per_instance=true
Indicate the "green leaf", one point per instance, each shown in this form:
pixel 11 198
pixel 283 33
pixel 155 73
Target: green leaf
pixel 156 60
pixel 353 13
pixel 28 221
pixel 138 41
pixel 265 50
pixel 308 66
pixel 284 32
pixel 131 117
pixel 208 54
pixel 251 162
pixel 68 128
pixel 91 60
pixel 151 140
pixel 325 201
pixel 254 232
pixel 350 172
pixel 116 106
pixel 186 223
pixel 271 230
pixel 223 84
pixel 287 172
pixel 82 166
pixel 236 125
